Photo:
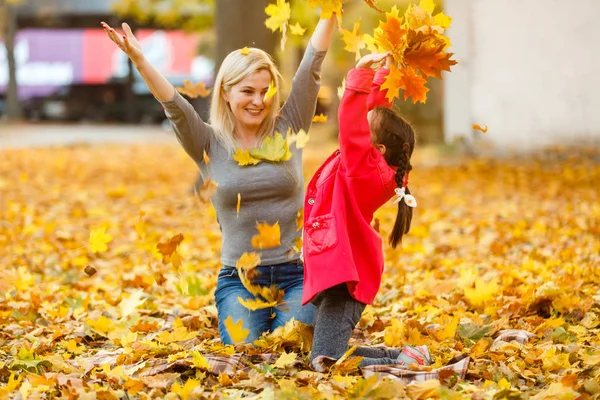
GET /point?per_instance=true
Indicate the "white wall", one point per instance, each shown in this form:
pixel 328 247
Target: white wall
pixel 529 69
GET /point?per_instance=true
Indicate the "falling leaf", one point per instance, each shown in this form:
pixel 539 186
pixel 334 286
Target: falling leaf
pixel 245 51
pixel 239 204
pixel 320 118
pixel 300 219
pixel 99 240
pixel 248 261
pixel 353 41
pixel 236 330
pixel 296 29
pixel 244 158
pixel 279 15
pixel 341 89
pixel 206 158
pixel 270 91
pixel 129 305
pixel 256 304
pixel 207 190
pixel 301 138
pixel 89 270
pixel 193 90
pixel 268 236
pixel 168 250
pixel 285 359
pixel 479 128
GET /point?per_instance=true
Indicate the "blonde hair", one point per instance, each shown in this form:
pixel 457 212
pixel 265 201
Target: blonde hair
pixel 234 69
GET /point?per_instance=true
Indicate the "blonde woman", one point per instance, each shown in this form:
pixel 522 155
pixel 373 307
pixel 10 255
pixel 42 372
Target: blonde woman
pixel 241 118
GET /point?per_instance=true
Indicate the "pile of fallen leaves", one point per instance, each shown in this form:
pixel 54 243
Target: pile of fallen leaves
pixel 101 295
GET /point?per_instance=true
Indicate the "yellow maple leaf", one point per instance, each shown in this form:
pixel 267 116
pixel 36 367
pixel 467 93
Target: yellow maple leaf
pixel 268 236
pixel 285 359
pixel 395 334
pixel 236 330
pixel 416 17
pixel 99 240
pixel 186 390
pixel 248 261
pixel 193 90
pixel 427 5
pixel 130 304
pixel 393 83
pixel 178 334
pixel 301 138
pixel 279 15
pixel 320 118
pixel 297 29
pixel 483 292
pixel 424 390
pixel 441 19
pixel 328 7
pixel 354 42
pixel 244 158
pixel 102 325
pixel 273 148
pixel 72 347
pixel 245 51
pixel 199 361
pixel 272 89
pixel 256 304
pixel 391 35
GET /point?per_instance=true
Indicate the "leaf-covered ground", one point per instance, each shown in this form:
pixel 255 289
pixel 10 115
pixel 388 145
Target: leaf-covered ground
pixel 512 243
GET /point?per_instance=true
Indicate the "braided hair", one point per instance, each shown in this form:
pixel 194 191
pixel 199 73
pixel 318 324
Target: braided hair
pixel 398 137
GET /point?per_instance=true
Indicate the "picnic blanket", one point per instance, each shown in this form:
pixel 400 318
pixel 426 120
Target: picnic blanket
pixel 235 363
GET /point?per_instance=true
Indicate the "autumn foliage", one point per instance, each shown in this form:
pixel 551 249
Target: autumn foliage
pixel 508 244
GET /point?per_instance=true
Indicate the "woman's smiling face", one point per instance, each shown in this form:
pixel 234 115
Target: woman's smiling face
pixel 246 100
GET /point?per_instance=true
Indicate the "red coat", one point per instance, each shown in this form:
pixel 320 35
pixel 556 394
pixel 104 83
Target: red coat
pixel 339 243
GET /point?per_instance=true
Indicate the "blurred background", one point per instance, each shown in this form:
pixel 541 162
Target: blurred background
pixel 525 71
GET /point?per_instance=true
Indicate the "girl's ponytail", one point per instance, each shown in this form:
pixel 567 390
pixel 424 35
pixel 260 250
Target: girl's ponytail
pixel 404 215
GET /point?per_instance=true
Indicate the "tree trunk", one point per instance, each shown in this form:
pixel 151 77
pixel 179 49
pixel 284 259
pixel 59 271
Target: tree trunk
pixel 241 23
pixel 13 107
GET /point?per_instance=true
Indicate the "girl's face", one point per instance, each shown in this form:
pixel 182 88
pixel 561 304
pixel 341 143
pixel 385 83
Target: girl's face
pixel 246 100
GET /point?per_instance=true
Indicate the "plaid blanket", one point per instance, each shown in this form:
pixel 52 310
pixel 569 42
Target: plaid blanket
pixel 399 372
pixel 240 362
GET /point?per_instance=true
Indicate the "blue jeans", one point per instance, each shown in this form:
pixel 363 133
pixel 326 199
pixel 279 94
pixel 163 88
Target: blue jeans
pixel 288 277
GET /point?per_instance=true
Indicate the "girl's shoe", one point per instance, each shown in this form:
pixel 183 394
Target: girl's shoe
pixel 415 354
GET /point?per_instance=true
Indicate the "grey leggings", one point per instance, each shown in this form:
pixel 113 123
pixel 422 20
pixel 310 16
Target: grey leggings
pixel 336 315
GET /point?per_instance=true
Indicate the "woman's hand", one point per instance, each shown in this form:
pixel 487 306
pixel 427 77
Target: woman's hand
pixel 370 59
pixel 127 42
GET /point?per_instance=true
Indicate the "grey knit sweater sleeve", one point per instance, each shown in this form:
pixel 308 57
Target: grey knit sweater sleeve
pixel 192 132
pixel 299 109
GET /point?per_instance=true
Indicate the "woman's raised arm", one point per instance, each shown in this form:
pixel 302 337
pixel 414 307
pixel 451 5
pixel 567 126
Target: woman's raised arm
pixel 160 87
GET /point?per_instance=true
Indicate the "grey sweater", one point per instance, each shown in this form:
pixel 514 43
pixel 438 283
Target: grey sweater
pixel 269 192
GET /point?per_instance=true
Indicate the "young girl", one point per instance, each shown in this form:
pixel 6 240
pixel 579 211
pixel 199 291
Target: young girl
pixel 343 254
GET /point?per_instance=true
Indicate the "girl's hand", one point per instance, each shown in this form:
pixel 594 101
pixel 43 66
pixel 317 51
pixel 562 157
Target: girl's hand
pixel 127 42
pixel 370 59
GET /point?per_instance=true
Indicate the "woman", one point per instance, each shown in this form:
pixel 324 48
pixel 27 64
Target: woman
pixel 241 117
